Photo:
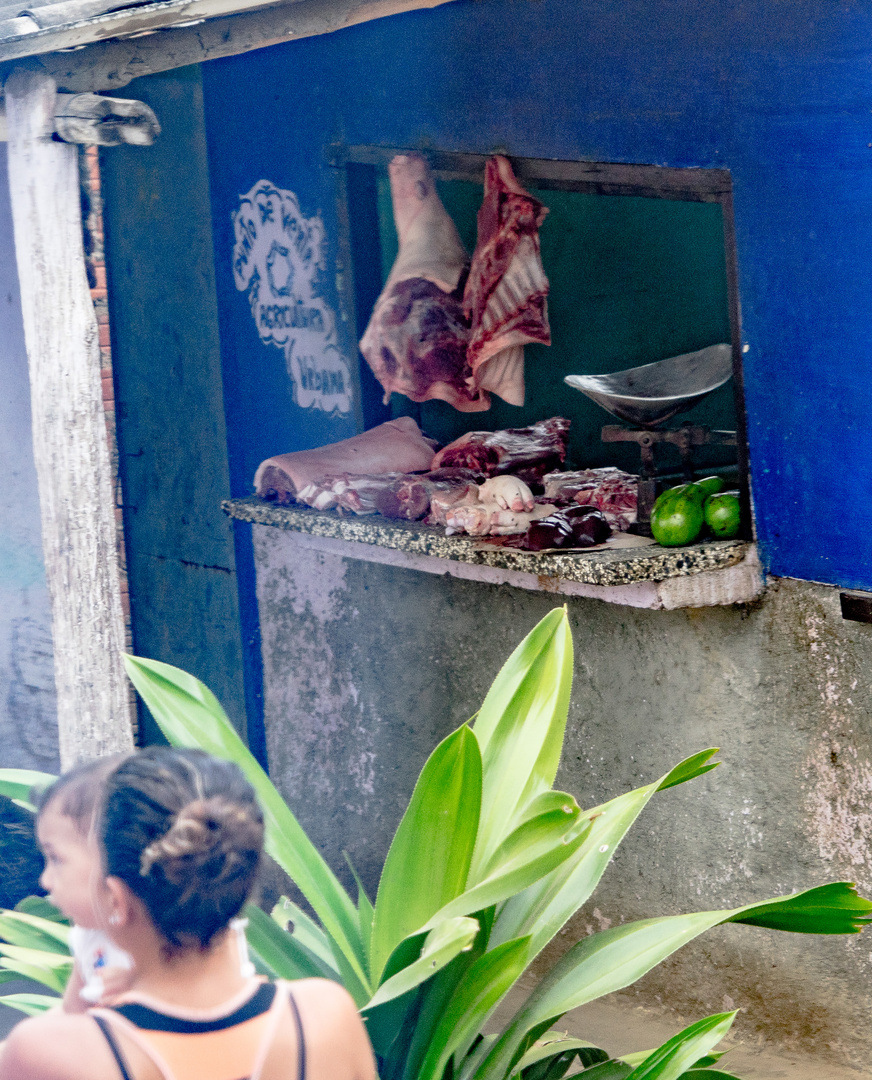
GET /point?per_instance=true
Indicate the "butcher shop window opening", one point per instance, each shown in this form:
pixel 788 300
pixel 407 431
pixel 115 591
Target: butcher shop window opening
pixel 509 311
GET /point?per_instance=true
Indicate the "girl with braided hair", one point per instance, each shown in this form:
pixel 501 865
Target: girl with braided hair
pixel 181 835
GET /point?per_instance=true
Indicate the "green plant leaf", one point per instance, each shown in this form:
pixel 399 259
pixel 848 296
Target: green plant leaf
pixel 529 853
pixel 42 909
pixel 477 994
pixel 364 909
pixel 707 1074
pixel 306 931
pixel 428 861
pixel 543 909
pixel 690 768
pixel 189 714
pixel 611 960
pixel 680 1053
pixel 520 730
pixel 34 933
pixel 54 979
pixel 558 1045
pixel 19 785
pixel 609 1070
pixel 441 945
pixel 281 954
pixel 829 909
pixel 30 1004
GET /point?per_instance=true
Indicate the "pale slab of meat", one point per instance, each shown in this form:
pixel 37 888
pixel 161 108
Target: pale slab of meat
pixel 417 335
pixel 491 519
pixel 354 493
pixel 446 502
pixel 610 490
pixel 505 295
pixel 508 492
pixel 528 453
pixel 397 446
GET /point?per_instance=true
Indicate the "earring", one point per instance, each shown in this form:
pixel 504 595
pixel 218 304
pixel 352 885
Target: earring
pixel 114 919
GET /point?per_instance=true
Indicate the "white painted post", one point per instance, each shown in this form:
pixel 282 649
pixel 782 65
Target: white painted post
pixel 69 428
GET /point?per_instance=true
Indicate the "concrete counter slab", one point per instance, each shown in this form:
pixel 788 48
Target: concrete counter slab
pixel 702 575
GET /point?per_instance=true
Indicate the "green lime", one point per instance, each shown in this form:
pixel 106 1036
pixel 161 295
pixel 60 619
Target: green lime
pixel 711 485
pixel 723 516
pixel 677 517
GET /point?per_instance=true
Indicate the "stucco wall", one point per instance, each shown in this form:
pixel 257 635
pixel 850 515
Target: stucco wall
pixel 28 720
pixel 366 667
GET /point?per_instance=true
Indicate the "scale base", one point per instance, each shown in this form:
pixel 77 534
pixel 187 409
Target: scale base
pixel 686 438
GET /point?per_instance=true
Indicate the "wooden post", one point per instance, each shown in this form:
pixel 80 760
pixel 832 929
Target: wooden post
pixel 69 428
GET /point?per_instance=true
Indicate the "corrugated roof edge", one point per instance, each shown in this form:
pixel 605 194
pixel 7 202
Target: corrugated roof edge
pixel 22 37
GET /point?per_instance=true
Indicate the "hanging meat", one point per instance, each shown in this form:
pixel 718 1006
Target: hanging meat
pixel 417 335
pixel 528 452
pixel 504 299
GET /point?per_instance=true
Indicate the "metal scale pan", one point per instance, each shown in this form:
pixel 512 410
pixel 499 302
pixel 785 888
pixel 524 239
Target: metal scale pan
pixel 647 397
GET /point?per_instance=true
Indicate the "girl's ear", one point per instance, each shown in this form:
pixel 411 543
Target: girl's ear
pixel 120 903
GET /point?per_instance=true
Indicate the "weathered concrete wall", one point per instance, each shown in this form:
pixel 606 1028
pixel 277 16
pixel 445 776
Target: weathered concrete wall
pixel 28 716
pixel 367 666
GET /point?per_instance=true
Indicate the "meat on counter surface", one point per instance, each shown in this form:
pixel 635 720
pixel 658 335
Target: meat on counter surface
pixel 417 335
pixel 528 452
pixel 394 447
pixel 504 299
pixel 610 490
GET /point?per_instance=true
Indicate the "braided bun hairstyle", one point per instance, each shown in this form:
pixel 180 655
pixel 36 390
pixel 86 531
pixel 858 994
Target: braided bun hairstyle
pixel 184 832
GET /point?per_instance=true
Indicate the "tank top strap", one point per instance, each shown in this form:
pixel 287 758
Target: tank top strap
pixel 107 1020
pixel 283 994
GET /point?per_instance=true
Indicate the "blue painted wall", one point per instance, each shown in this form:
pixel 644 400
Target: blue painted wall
pixel 777 92
pixel 28 710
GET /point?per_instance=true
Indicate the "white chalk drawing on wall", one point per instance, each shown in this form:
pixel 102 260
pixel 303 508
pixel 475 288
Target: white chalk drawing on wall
pixel 279 260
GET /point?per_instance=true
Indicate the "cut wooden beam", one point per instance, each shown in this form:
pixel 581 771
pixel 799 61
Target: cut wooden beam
pixel 94 120
pixel 69 428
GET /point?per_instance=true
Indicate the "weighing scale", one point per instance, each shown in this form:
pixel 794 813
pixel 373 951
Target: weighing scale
pixel 647 397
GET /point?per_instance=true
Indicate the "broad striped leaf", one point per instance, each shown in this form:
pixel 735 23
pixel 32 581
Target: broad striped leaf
pixel 442 944
pixel 19 785
pixel 680 1053
pixel 30 1004
pixel 543 909
pixel 476 996
pixel 34 933
pixel 189 714
pixel 428 861
pixel 281 954
pixel 520 730
pixel 611 960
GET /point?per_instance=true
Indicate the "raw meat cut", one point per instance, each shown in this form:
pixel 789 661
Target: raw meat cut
pixel 401 496
pixel 508 492
pixel 394 447
pixel 572 527
pixel 491 519
pixel 610 490
pixel 504 299
pixel 527 453
pixel 417 335
pixel 445 502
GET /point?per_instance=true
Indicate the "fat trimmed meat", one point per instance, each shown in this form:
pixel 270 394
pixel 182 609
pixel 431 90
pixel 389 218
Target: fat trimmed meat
pixel 395 447
pixel 505 295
